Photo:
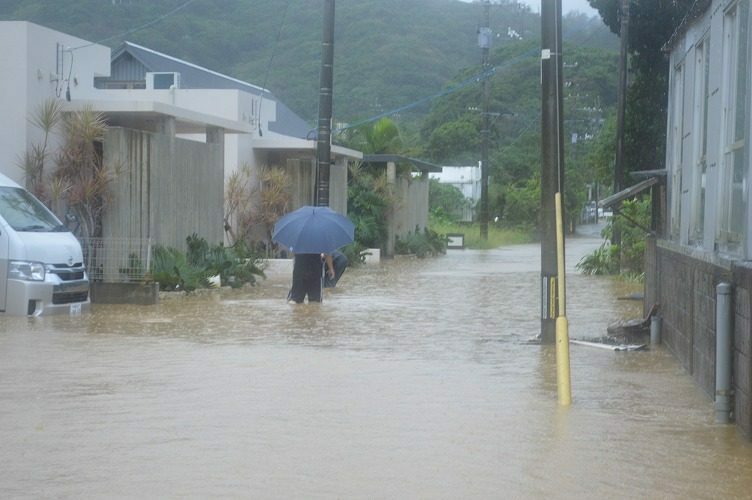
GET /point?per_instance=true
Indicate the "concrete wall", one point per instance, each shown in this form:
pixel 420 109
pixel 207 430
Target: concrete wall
pixel 683 282
pixel 412 205
pixel 167 188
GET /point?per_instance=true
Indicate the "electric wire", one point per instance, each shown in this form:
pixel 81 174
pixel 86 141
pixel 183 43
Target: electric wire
pixel 138 28
pixel 271 61
pixel 465 83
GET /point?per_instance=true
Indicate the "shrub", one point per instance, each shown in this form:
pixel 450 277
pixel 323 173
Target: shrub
pixel 421 244
pixel 235 265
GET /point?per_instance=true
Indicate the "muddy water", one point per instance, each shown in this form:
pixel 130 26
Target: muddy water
pixel 413 380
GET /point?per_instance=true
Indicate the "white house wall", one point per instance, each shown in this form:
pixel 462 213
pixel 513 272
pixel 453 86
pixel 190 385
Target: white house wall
pixel 685 133
pixel 29 69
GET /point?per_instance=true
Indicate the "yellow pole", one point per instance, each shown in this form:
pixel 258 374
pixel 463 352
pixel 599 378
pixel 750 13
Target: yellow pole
pixel 562 326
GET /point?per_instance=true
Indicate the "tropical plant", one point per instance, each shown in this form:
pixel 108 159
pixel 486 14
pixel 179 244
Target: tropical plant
pixel 421 243
pixel 628 259
pixel 603 260
pixel 78 182
pixel 239 195
pixel 250 203
pixel 175 270
pixel 82 179
pixel 171 269
pixel 46 117
pixel 274 198
pixel 367 203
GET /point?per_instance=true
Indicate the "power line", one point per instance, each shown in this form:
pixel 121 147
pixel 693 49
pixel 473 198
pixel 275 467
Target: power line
pixel 465 83
pixel 139 28
pixel 269 64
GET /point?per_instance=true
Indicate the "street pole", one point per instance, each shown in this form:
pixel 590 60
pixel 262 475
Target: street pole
pixel 552 159
pixel 324 144
pixel 621 105
pixel 484 40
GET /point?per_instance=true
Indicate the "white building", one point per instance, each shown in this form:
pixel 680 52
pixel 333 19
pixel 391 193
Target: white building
pixel 467 180
pixel 37 65
pixel 698 261
pixel 152 93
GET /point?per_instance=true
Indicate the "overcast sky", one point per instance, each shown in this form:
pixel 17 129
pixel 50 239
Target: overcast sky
pixel 566 6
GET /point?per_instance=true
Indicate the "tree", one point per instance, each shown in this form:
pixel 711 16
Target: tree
pixel 80 182
pixel 250 202
pixel 382 136
pixel 651 24
pixel 445 200
pixel 368 198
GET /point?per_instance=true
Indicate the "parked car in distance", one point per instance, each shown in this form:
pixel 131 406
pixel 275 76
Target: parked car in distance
pixel 41 261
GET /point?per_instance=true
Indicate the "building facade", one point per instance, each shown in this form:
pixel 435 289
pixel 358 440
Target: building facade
pixel 706 239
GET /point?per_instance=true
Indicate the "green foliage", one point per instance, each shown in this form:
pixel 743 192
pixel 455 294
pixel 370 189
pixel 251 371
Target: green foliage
pixel 382 136
pixel 629 258
pixel 134 271
pixel 445 200
pixel 367 206
pixel 522 203
pixel 426 243
pixel 633 221
pixel 388 53
pixel 368 198
pixel 651 24
pixel 356 254
pixel 174 270
pixel 603 260
pixel 452 130
pixel 498 235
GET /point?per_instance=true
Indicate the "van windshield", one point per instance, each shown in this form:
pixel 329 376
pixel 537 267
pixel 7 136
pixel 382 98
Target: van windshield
pixel 25 213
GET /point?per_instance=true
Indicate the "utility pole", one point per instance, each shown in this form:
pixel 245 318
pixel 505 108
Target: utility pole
pixel 621 105
pixel 552 159
pixel 484 40
pixel 324 144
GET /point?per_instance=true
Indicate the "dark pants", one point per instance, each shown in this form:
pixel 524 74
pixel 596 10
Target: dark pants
pixel 306 278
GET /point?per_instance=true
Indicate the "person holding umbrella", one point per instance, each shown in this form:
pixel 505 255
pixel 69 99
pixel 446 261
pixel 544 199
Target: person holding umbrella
pixel 312 234
pixel 307 274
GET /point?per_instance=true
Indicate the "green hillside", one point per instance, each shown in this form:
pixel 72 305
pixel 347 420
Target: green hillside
pixel 388 53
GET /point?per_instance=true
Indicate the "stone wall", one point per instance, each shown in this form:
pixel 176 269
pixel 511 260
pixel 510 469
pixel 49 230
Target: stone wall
pixel 684 286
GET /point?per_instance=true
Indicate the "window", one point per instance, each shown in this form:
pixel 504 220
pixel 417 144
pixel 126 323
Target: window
pixel 125 85
pixel 25 213
pixel 734 174
pixel 702 95
pixel 677 136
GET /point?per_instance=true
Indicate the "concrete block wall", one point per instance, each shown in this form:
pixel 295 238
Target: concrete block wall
pixel 742 358
pixel 684 286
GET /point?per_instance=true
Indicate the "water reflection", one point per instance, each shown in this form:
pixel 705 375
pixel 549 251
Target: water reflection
pixel 412 379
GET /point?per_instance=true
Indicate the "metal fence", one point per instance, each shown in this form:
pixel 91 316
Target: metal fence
pixel 117 260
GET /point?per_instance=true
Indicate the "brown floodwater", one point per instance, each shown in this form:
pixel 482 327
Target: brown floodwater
pixel 414 379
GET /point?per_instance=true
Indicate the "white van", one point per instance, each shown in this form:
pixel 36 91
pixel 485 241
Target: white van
pixel 41 262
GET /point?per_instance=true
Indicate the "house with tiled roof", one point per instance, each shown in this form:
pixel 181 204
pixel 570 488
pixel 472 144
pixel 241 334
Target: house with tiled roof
pixel 273 136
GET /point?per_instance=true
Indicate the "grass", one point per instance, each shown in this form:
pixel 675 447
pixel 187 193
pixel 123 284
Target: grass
pixel 497 236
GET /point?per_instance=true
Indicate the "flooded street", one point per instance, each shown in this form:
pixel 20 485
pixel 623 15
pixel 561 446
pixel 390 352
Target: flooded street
pixel 414 379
